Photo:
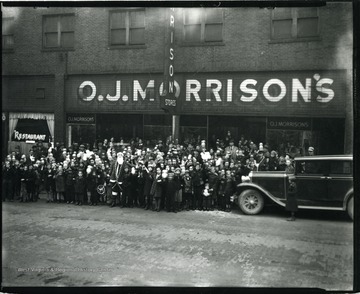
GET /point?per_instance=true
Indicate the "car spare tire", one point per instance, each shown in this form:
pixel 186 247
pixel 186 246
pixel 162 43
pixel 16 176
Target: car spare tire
pixel 251 202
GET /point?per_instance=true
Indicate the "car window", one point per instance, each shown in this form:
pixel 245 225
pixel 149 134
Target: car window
pixel 312 167
pixel 341 167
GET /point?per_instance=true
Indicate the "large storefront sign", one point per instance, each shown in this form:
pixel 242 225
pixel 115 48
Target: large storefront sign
pixel 288 123
pixel 300 92
pixel 168 99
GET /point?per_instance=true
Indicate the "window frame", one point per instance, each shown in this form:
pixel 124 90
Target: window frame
pixel 127 29
pixel 12 48
pixel 294 26
pixel 203 23
pixel 59 32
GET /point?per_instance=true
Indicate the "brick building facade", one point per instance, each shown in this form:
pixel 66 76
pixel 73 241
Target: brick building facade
pixel 277 75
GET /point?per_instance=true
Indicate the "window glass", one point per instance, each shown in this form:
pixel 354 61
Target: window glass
pixel 282 28
pixel 118 37
pixel 312 167
pixel 51 40
pixel 213 32
pixel 67 23
pixel 193 16
pixel 118 20
pixel 295 23
pixel 157 119
pixel 137 19
pixel 193 33
pixel 213 15
pixel 59 31
pixel 137 36
pixel 8 41
pixel 341 167
pixel 7 26
pixel 7 33
pixel 307 27
pixel 51 24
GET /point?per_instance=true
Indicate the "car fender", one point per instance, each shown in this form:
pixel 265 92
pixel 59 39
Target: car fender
pixel 347 197
pixel 244 186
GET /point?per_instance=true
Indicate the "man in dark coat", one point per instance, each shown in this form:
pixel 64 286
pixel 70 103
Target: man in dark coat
pixel 291 200
pixel 7 181
pixel 116 178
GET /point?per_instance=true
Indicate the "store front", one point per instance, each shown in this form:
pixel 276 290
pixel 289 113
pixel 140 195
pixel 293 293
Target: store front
pixel 283 109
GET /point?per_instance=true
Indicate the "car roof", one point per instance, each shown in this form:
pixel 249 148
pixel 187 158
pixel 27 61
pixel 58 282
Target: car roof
pixel 326 157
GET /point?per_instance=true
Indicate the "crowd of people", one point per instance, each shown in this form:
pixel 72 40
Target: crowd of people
pixel 165 176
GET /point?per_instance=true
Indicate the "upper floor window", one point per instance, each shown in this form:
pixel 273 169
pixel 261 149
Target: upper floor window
pixel 127 27
pixel 294 23
pixel 58 31
pixel 8 33
pixel 203 25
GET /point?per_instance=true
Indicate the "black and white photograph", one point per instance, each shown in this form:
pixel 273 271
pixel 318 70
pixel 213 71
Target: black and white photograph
pixel 172 145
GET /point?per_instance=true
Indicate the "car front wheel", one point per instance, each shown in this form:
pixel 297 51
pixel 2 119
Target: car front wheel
pixel 350 208
pixel 251 202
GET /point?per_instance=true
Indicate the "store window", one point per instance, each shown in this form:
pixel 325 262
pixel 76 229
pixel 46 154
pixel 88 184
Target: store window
pixel 289 23
pixel 120 126
pixel 58 31
pixel 193 128
pixel 82 134
pixel 252 128
pixel 157 127
pixel 203 25
pixel 127 27
pixel 8 34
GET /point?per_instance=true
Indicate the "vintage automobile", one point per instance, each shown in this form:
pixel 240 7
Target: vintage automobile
pixel 323 182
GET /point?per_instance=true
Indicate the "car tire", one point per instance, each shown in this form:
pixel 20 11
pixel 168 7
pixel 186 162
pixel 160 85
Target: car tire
pixel 251 202
pixel 350 208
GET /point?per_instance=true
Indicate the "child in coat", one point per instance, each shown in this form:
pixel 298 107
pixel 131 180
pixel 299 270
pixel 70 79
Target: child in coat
pixel 80 188
pixel 188 191
pixel 60 184
pixel 207 197
pixel 90 183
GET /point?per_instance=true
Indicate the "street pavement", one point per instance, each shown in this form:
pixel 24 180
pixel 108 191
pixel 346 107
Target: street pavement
pixel 48 244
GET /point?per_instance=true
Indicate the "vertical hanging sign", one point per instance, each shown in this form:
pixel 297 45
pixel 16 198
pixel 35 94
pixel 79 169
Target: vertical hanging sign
pixel 168 97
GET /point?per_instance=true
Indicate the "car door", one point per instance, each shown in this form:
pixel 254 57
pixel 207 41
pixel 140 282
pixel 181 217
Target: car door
pixel 340 181
pixel 311 180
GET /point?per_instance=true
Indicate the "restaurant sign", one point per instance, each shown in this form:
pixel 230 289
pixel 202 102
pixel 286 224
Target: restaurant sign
pixel 31 130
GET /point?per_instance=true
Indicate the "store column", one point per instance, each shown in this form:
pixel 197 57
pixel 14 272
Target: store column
pixel 175 127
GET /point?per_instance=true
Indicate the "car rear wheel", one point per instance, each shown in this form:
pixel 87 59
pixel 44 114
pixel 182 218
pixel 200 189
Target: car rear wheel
pixel 350 208
pixel 251 202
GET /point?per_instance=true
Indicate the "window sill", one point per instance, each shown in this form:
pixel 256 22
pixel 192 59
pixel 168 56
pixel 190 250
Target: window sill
pixel 297 40
pixel 117 47
pixel 204 44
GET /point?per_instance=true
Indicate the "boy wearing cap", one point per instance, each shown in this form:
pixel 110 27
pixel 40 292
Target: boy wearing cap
pixel 311 151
